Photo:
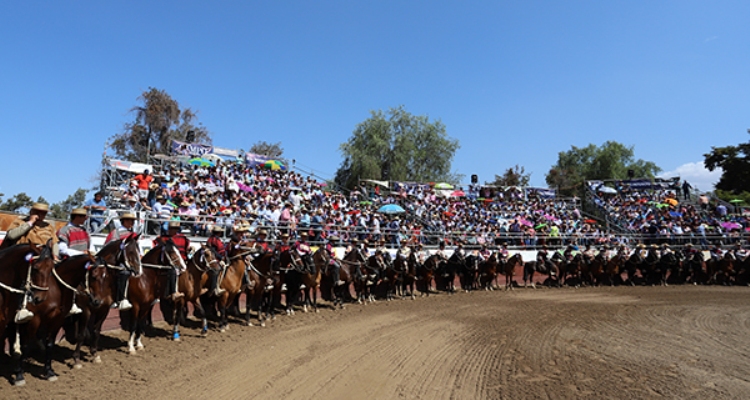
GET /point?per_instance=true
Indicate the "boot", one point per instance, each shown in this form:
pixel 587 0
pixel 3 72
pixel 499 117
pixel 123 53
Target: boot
pixel 23 315
pixel 172 286
pixel 214 284
pixel 74 309
pixel 121 303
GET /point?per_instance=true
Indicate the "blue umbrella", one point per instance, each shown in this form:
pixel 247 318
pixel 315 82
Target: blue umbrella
pixel 391 209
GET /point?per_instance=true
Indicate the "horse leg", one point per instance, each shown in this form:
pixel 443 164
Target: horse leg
pixel 176 315
pixel 132 329
pixel 18 357
pixel 141 329
pixel 223 319
pixel 49 373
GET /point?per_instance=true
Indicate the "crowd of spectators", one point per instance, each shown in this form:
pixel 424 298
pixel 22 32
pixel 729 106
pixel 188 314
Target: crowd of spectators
pixel 663 216
pixel 231 194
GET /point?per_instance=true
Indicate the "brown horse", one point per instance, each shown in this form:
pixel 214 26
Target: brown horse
pixel 722 270
pixel 509 269
pixel 260 291
pixel 50 314
pixel 23 273
pixel 116 257
pixel 488 272
pixel 330 289
pixel 231 280
pixel 426 274
pixel 147 287
pixel 410 275
pixel 192 284
pixel 312 281
pixel 356 260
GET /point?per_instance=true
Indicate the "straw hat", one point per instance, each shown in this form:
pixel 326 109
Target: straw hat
pixel 78 211
pixel 261 232
pixel 174 224
pixel 240 228
pixel 217 228
pixel 127 215
pixel 40 207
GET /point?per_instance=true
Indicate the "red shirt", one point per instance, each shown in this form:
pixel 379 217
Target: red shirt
pixel 143 181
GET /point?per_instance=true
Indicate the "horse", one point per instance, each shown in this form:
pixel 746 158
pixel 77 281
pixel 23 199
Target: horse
pixel 509 269
pixel 329 288
pixel 192 284
pixel 426 273
pixel 409 283
pixel 115 257
pixel 697 269
pixel 548 267
pixel 24 272
pixel 259 293
pixel 488 272
pixel 394 274
pixel 631 265
pixel 612 274
pixel 231 280
pixel 469 273
pixel 362 280
pixel 145 288
pixel 50 314
pixel 296 275
pixel 723 269
pixel 312 280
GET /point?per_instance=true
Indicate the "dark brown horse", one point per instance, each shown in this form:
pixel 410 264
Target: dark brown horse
pixel 426 274
pixel 362 279
pixel 50 314
pixel 312 281
pixel 116 257
pixel 336 287
pixel 410 275
pixel 23 273
pixel 509 269
pixel 232 281
pixel 488 272
pixel 147 287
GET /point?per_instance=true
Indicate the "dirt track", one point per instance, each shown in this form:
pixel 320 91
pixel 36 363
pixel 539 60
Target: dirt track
pixel 673 342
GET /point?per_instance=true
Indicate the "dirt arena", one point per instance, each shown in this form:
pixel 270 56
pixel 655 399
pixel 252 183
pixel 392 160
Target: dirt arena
pixel 644 342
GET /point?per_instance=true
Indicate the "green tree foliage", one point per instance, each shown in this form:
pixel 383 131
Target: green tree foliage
pixel 267 149
pixel 611 160
pixel 397 146
pixel 158 121
pixel 62 209
pixel 16 203
pixel 734 162
pixel 515 176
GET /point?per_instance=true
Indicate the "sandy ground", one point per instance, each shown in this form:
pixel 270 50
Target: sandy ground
pixel 643 342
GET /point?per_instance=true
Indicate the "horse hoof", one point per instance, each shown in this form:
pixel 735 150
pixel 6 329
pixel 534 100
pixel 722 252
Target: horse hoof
pixel 22 382
pixel 317 311
pixel 77 365
pixel 131 352
pixel 52 378
pixel 139 347
pixel 222 330
pixel 97 360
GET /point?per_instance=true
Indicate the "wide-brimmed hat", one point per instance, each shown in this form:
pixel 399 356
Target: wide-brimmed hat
pixel 79 211
pixel 174 224
pixel 127 215
pixel 240 228
pixel 261 232
pixel 40 207
pixel 217 228
pixel 285 236
pixel 227 211
pixel 303 234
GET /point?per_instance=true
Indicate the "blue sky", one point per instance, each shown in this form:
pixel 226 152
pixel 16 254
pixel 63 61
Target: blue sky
pixel 514 82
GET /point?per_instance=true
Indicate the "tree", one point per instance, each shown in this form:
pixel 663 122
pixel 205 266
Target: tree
pixel 62 209
pixel 611 160
pixel 158 121
pixel 17 202
pixel 515 176
pixel 397 146
pixel 734 162
pixel 272 150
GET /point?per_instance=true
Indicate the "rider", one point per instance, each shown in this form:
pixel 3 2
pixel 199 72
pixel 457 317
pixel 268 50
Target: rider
pixel 281 247
pixel 541 256
pixel 74 240
pixel 441 251
pixel 260 243
pixel 334 265
pixel 717 252
pixel 382 252
pixel 125 230
pixel 689 251
pixel 34 230
pixel 665 249
pixel 588 254
pixel 459 251
pixel 421 254
pixel 738 252
pixel 215 243
pixel 183 245
pixel 305 253
pixel 403 251
pixel 484 253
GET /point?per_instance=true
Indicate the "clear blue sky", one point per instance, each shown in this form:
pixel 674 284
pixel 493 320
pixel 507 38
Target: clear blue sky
pixel 514 82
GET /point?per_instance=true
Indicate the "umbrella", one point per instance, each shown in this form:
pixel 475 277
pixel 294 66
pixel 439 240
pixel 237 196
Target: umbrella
pixel 662 205
pixel 540 226
pixel 671 202
pixel 606 189
pixel 391 209
pixel 365 203
pixel 590 221
pixel 735 201
pixel 458 193
pixel 274 165
pixel 730 225
pixel 201 161
pixel 443 185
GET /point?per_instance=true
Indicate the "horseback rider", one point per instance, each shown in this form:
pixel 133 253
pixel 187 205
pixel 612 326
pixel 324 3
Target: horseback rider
pixel 568 253
pixel 33 230
pixel 305 253
pixel 421 254
pixel 332 262
pixel 442 255
pixel 403 251
pixel 124 231
pixel 542 257
pixel 588 254
pixel 716 252
pixel 665 250
pixel 382 252
pixel 739 253
pixel 484 253
pixel 459 251
pixel 260 244
pixel 689 251
pixel 74 240
pixel 281 247
pixel 503 253
pixel 183 245
pixel 215 244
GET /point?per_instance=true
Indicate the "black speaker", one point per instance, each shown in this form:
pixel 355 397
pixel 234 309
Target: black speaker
pixel 631 173
pixel 474 178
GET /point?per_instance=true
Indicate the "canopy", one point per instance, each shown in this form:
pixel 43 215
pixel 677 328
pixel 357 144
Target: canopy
pixel 443 185
pixel 274 165
pixel 201 161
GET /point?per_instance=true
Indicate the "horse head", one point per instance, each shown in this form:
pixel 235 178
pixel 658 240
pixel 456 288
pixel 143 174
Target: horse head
pixel 40 270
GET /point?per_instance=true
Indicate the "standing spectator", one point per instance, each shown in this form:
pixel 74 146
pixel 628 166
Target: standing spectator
pixel 143 181
pixel 686 190
pixel 96 208
pixel 703 201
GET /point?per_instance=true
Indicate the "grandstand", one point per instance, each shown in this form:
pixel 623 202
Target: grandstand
pixel 207 186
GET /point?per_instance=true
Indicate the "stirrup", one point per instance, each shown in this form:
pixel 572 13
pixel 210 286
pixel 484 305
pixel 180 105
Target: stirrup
pixel 23 316
pixel 124 305
pixel 219 291
pixel 303 286
pixel 74 309
pixel 177 295
pixel 283 287
pixel 340 282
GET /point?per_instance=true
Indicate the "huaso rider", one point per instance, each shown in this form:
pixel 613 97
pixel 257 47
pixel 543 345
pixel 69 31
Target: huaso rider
pixel 183 245
pixel 73 239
